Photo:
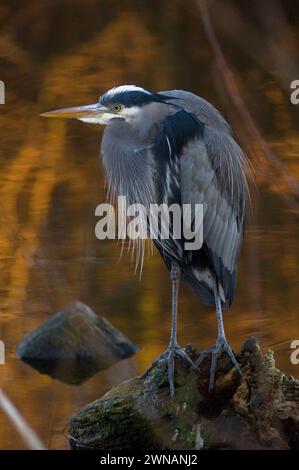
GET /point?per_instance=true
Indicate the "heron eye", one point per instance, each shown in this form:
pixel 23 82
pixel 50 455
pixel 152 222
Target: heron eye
pixel 116 108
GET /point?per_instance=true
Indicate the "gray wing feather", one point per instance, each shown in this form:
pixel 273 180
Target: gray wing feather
pixel 223 199
pixel 213 174
pixel 201 108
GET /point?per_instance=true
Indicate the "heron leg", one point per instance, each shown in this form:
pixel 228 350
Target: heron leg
pixel 221 344
pixel 173 348
pixel 175 283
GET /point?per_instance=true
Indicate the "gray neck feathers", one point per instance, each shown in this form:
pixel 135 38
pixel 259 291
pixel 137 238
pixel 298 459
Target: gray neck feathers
pixel 128 163
pixel 127 156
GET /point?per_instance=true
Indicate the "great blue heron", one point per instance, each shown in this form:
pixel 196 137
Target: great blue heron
pixel 175 147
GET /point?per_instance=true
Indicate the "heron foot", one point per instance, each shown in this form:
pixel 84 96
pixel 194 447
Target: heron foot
pixel 220 346
pixel 168 356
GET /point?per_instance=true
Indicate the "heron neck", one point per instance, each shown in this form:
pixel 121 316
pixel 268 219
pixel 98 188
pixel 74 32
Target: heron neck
pixel 128 162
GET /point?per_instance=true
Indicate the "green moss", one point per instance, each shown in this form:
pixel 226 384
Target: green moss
pixel 190 435
pixel 109 419
pixel 139 413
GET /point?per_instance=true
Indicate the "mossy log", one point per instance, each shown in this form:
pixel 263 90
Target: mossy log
pixel 259 410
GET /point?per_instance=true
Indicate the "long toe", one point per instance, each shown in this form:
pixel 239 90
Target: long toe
pixel 213 369
pixel 202 356
pixel 173 351
pixel 168 357
pixel 170 363
pixel 221 345
pixel 226 347
pixel 162 358
pixel 182 353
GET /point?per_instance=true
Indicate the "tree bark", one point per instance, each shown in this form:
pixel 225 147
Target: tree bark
pixel 259 410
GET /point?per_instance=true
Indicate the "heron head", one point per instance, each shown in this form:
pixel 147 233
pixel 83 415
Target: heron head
pixel 123 102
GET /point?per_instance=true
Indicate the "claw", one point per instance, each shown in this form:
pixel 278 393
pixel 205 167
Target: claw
pixel 169 356
pixel 170 364
pixel 221 345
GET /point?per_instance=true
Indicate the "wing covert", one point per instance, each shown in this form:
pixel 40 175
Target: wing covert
pixel 204 165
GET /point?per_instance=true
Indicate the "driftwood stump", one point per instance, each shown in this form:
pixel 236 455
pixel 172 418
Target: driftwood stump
pixel 257 411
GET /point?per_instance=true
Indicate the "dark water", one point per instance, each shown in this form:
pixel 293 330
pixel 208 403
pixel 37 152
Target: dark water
pixel 56 54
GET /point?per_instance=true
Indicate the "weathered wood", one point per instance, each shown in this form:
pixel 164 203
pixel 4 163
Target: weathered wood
pixel 258 411
pixel 74 344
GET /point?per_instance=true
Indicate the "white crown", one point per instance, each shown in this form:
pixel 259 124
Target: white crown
pixel 124 88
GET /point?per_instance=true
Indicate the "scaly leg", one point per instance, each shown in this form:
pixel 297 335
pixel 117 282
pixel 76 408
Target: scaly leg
pixel 173 347
pixel 221 343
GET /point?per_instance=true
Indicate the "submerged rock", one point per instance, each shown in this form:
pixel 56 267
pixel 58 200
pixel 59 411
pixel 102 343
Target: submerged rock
pixel 257 411
pixel 74 344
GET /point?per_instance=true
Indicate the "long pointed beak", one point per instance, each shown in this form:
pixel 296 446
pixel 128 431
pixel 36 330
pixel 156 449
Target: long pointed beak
pixel 78 112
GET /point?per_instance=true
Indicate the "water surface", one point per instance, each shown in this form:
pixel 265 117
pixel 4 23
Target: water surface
pixel 56 54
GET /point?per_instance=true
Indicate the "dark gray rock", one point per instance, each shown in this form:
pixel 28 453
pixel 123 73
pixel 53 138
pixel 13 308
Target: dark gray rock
pixel 74 344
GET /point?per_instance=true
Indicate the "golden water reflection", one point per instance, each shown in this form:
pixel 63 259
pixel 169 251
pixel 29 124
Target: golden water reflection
pixel 53 55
